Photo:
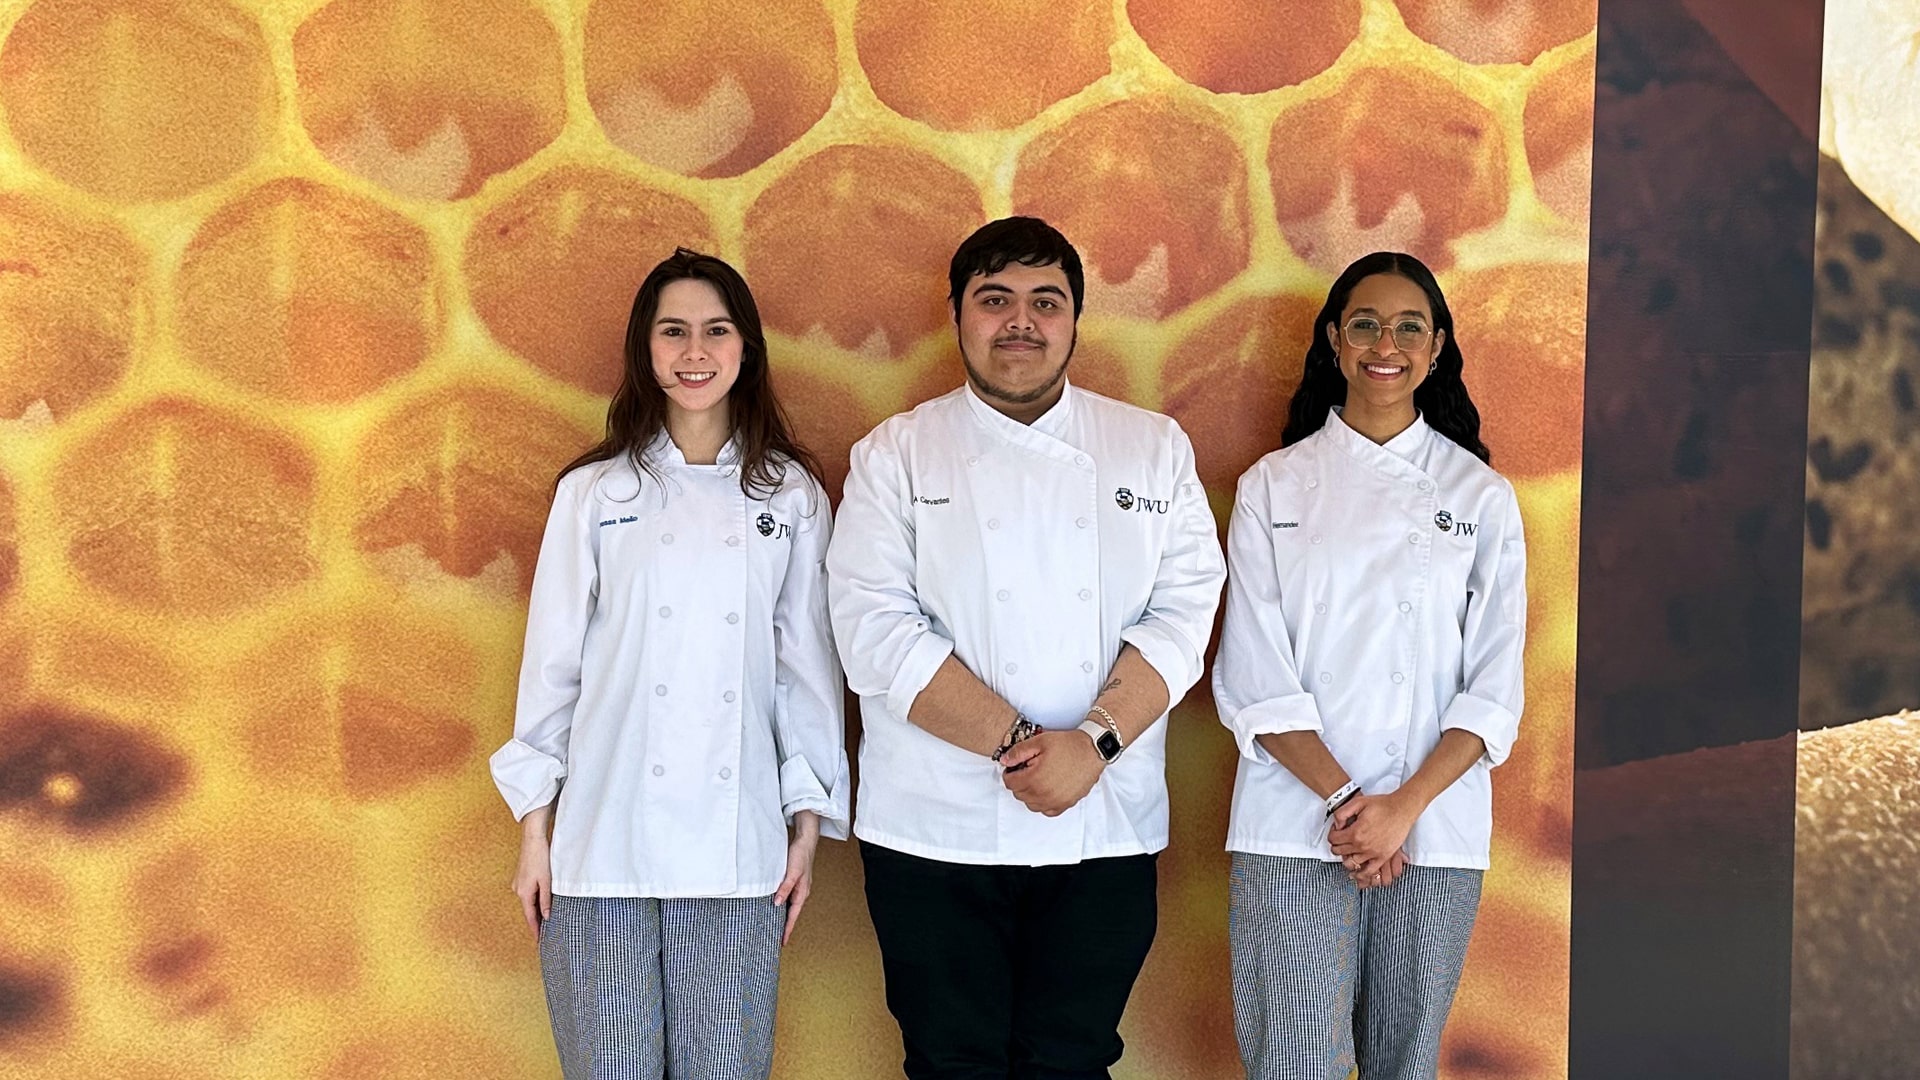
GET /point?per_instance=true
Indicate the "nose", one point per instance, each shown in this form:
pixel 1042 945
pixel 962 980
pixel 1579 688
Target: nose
pixel 1019 317
pixel 1385 346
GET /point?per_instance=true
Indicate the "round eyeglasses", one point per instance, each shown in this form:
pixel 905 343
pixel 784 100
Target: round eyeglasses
pixel 1409 334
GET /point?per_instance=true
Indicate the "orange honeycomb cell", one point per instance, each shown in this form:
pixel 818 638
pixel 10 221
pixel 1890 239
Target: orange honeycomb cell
pixel 1559 136
pixel 553 270
pixel 708 87
pixel 1229 383
pixel 828 419
pixel 458 482
pixel 183 509
pixel 363 702
pixel 1398 161
pixel 137 100
pixel 1152 193
pixel 83 772
pixel 1522 330
pixel 981 66
pixel 70 307
pixel 238 920
pixel 1247 46
pixel 429 100
pixel 300 291
pixel 854 243
pixel 1499 31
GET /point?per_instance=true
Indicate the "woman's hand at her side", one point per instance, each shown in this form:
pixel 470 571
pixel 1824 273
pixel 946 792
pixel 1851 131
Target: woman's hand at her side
pixel 533 878
pixel 798 883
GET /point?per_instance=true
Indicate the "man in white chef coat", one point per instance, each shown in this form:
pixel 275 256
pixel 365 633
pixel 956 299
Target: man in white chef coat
pixel 1023 578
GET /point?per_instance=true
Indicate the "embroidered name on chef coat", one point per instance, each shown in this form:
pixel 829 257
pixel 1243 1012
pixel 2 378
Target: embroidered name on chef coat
pixel 769 527
pixel 628 520
pixel 1140 503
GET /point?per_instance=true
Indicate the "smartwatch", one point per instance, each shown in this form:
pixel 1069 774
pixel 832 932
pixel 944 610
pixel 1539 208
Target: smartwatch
pixel 1106 741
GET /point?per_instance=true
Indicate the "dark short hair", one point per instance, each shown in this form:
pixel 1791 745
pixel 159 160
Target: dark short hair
pixel 1024 240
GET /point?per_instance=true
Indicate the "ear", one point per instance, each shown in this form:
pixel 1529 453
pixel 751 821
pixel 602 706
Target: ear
pixel 1439 342
pixel 1333 340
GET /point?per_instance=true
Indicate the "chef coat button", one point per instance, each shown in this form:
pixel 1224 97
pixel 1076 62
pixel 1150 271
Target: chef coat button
pixel 1013 669
pixel 660 691
pixel 1426 485
pixel 1393 748
pixel 733 541
pixel 1405 607
pixel 1086 665
pixel 1079 459
pixel 1311 484
pixel 1326 676
pixel 993 523
pixel 666 538
pixel 1316 538
pixel 1080 522
pixel 726 773
pixel 658 771
pixel 1319 609
pixel 1413 538
pixel 1398 678
pixel 1086 594
pixel 973 461
pixel 733 617
pixel 1003 594
pixel 727 697
pixel 666 612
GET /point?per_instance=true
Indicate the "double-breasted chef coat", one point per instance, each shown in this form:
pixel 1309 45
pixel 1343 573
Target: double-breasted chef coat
pixel 1031 553
pixel 679 687
pixel 1377 595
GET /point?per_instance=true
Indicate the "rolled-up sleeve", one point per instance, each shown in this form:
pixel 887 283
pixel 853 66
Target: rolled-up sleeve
pixel 1171 634
pixel 529 769
pixel 1256 680
pixel 1493 638
pixel 886 641
pixel 809 722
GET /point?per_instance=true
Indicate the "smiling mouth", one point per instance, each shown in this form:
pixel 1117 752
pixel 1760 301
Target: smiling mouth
pixel 696 378
pixel 1383 371
pixel 1018 345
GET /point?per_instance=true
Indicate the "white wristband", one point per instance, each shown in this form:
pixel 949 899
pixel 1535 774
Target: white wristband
pixel 1334 800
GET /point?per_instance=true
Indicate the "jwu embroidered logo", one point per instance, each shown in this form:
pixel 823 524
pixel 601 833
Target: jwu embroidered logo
pixel 770 527
pixel 1127 500
pixel 1445 523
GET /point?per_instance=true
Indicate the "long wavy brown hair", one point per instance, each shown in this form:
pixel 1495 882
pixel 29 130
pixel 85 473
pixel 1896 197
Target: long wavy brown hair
pixel 638 412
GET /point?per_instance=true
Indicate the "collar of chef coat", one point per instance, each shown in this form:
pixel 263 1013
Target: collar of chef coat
pixel 664 452
pixel 1046 435
pixel 1397 456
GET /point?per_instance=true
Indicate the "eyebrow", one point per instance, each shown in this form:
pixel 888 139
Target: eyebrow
pixel 665 319
pixel 1406 311
pixel 996 287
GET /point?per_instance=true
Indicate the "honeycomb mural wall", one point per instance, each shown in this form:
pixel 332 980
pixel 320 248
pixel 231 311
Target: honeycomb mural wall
pixel 302 302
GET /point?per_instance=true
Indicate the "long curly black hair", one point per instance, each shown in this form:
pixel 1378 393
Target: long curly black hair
pixel 1442 399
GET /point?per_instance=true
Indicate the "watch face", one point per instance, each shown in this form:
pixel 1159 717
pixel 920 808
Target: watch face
pixel 1108 744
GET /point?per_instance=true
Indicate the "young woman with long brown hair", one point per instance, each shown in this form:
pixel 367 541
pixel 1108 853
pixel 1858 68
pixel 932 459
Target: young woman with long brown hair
pixel 679 727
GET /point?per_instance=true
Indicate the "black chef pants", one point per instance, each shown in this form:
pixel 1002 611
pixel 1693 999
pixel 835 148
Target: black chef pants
pixel 1010 972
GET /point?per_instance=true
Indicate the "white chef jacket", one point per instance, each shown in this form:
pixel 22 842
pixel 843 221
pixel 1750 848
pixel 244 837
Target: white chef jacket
pixel 679 687
pixel 1378 596
pixel 1030 553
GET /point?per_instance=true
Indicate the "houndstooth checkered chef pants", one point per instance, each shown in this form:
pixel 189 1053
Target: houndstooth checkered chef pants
pixel 640 988
pixel 1326 977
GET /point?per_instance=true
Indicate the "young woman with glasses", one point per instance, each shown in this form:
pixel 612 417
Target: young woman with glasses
pixel 1370 670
